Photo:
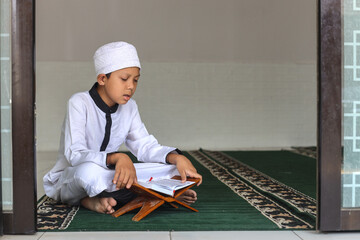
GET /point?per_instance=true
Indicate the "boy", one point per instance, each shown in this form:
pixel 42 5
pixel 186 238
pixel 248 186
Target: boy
pixel 89 170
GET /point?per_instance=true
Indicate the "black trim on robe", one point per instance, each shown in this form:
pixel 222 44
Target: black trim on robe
pixel 107 110
pixel 100 103
pixel 107 132
pixel 179 151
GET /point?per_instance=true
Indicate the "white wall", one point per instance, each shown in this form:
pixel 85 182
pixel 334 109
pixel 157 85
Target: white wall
pixel 215 74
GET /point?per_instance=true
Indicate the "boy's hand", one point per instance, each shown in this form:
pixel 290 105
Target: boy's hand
pixel 125 174
pixel 184 166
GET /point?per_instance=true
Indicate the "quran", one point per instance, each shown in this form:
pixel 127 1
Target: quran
pixel 165 186
pixel 149 200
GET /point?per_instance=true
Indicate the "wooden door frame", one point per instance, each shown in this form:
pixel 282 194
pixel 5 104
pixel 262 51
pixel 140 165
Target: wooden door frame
pixel 330 215
pixel 1 202
pixel 22 220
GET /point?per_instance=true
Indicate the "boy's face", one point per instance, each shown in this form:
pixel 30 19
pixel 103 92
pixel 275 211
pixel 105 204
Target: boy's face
pixel 120 87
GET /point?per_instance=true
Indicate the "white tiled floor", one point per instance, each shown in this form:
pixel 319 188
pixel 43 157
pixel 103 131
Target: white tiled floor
pixel 47 159
pixel 233 235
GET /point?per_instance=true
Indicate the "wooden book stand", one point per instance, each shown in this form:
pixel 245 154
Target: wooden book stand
pixel 150 200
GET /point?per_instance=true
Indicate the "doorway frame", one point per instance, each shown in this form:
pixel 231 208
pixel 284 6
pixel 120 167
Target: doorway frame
pixel 330 215
pixel 22 219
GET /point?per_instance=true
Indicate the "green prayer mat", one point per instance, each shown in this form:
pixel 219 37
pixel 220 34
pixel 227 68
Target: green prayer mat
pixel 226 200
pixel 296 171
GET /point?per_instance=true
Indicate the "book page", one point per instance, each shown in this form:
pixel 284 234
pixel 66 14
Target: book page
pixel 172 184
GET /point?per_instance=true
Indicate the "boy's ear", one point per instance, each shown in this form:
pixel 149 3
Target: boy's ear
pixel 101 79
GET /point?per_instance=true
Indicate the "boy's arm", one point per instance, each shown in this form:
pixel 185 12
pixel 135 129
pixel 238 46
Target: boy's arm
pixel 143 145
pixel 146 148
pixel 184 166
pixel 74 135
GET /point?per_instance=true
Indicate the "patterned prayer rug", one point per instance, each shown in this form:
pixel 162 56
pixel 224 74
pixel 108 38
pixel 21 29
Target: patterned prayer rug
pixel 233 196
pixel 233 173
pixel 298 200
pixel 53 215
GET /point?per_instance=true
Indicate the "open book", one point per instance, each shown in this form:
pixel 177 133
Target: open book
pixel 166 186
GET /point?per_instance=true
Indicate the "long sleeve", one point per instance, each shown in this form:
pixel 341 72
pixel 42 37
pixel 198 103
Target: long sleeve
pixel 143 145
pixel 76 149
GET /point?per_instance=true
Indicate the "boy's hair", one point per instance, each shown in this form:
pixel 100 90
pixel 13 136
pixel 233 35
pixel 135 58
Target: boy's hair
pixel 108 75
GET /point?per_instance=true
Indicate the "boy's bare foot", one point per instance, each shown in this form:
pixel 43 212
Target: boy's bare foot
pixel 100 205
pixel 188 197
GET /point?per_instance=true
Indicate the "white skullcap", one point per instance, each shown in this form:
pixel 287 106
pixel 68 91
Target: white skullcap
pixel 114 56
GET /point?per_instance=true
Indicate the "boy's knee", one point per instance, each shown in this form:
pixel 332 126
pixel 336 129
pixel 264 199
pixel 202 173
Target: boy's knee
pixel 88 172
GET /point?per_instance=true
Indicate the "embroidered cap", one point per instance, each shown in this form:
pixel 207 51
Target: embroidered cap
pixel 114 56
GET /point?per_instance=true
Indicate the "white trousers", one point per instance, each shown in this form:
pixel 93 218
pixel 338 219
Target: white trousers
pixel 90 179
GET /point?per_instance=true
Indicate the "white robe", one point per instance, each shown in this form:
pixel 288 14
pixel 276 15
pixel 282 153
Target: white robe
pixel 81 169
